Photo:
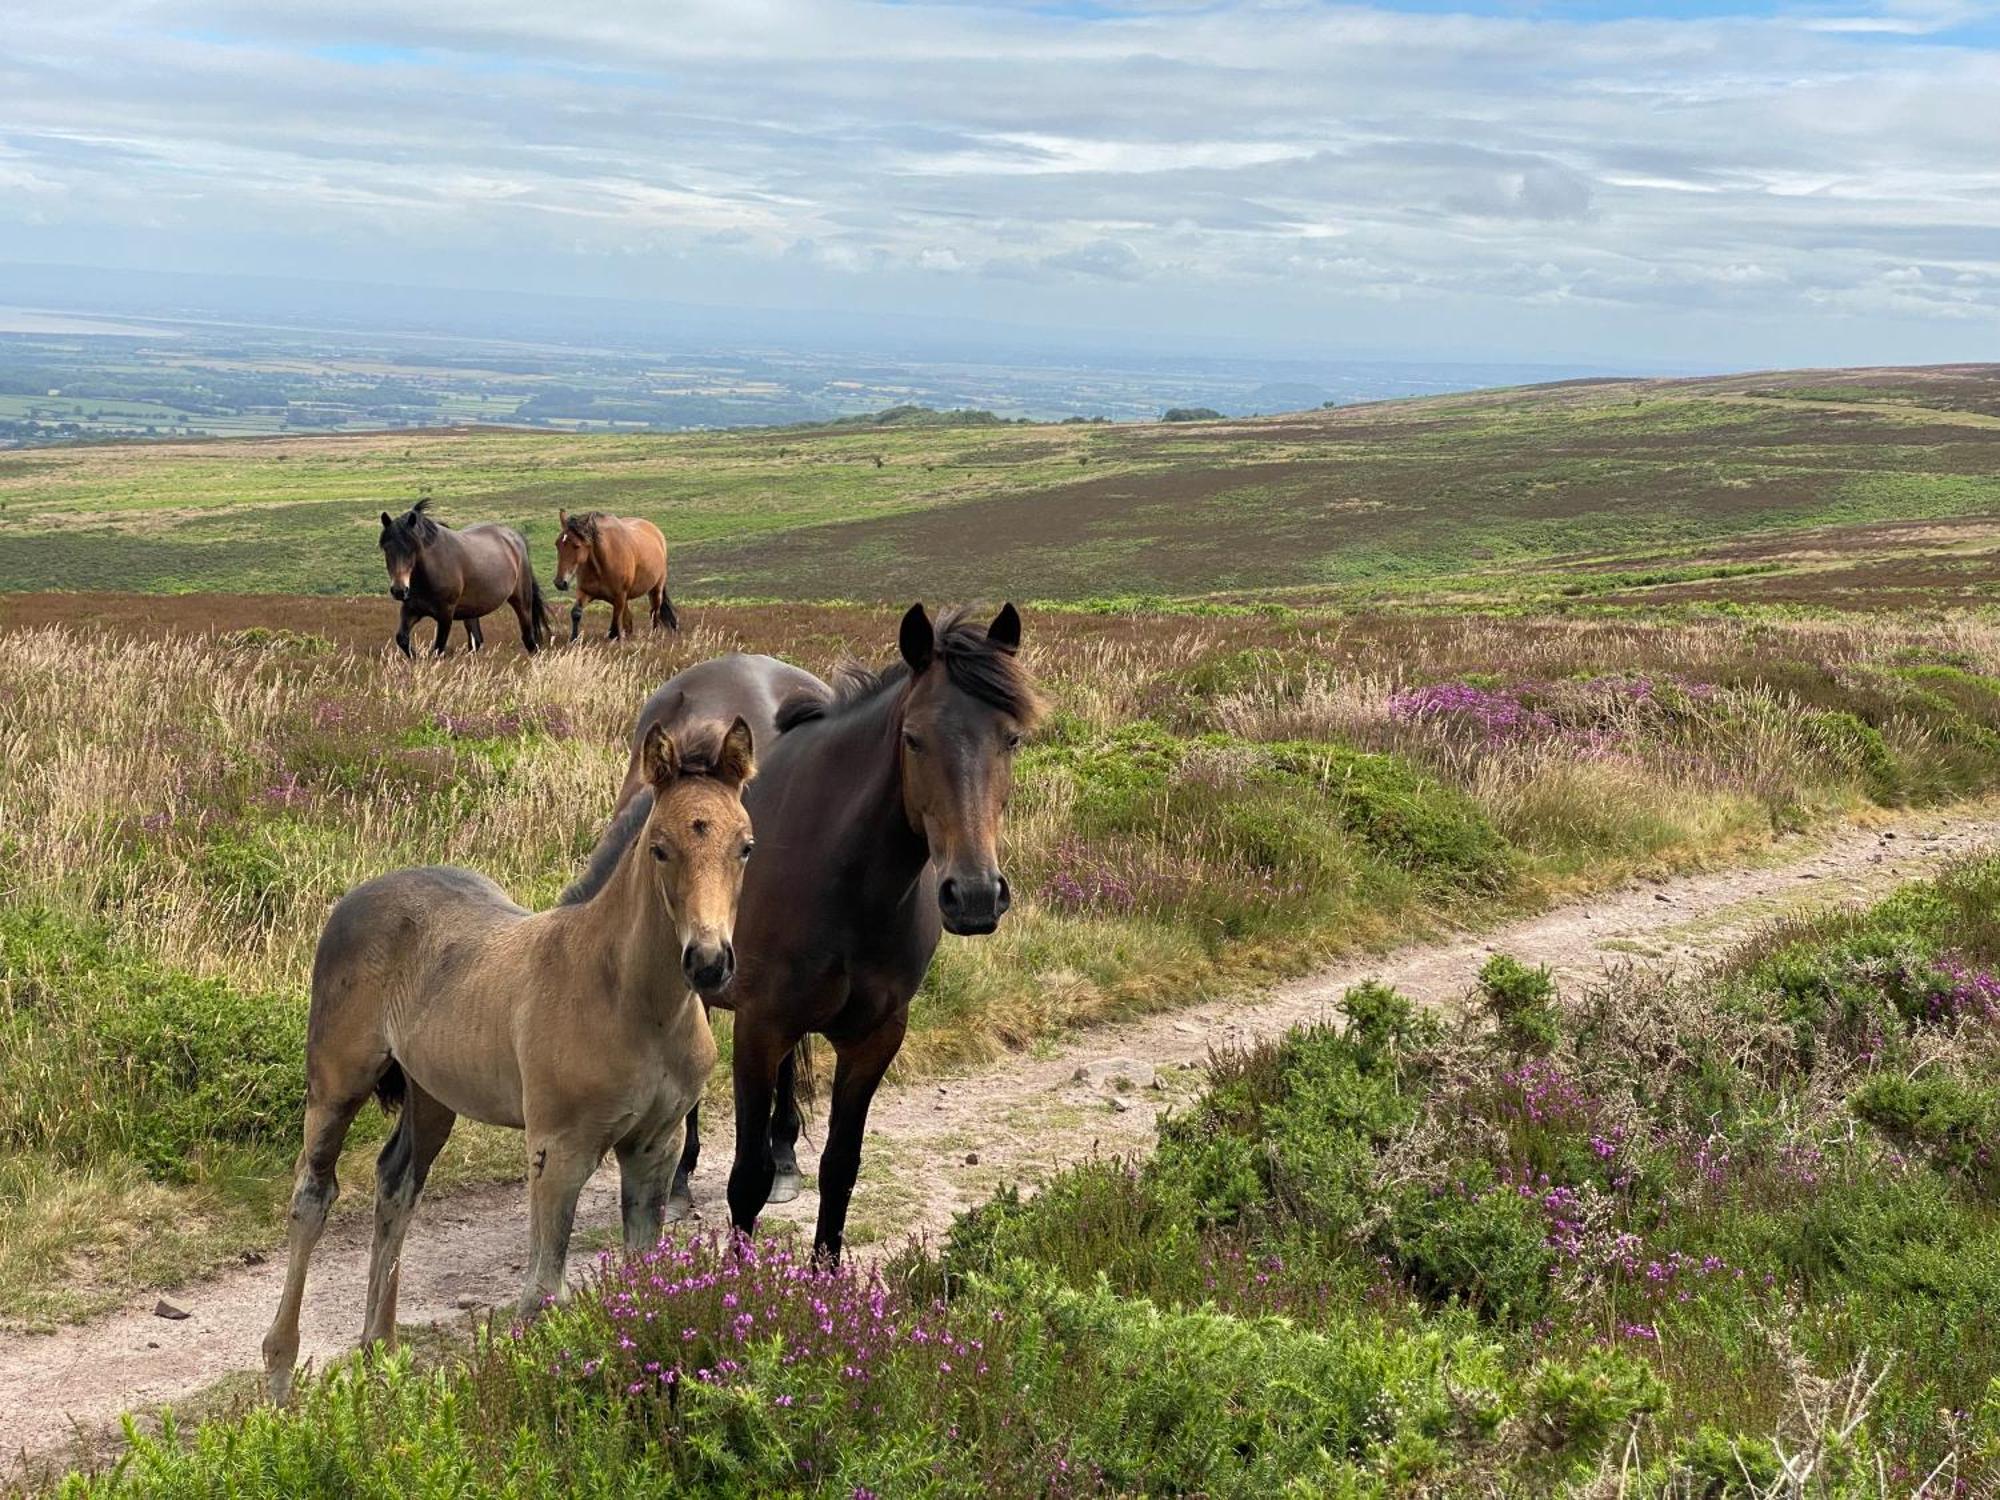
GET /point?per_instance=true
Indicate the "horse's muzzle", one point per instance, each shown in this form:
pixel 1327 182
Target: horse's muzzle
pixel 709 967
pixel 973 906
pixel 399 592
pixel 562 585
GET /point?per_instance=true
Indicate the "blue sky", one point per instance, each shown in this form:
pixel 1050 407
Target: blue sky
pixel 1643 182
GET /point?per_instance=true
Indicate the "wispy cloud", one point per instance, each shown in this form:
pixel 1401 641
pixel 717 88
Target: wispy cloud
pixel 1774 181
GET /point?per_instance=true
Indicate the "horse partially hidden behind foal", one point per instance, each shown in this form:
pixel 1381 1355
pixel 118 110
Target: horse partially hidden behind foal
pixel 879 805
pixel 440 574
pixel 582 1025
pixel 616 560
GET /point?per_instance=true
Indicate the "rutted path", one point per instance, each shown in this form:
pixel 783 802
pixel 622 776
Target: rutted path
pixel 933 1148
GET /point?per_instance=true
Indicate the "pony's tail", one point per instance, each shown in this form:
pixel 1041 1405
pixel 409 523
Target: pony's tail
pixel 544 632
pixel 667 616
pixel 805 1077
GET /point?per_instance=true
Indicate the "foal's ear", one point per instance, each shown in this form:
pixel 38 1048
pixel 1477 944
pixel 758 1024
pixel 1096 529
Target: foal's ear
pixel 736 765
pixel 1005 631
pixel 917 638
pixel 562 520
pixel 661 758
pixel 386 522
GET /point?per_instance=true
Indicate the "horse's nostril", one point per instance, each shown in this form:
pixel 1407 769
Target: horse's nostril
pixel 1006 895
pixel 948 894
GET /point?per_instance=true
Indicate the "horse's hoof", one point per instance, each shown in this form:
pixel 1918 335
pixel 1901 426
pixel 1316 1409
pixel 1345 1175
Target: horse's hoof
pixel 784 1187
pixel 680 1208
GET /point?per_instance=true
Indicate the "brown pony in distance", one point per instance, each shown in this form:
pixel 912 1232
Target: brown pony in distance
pixel 582 1025
pixel 879 806
pixel 444 575
pixel 616 560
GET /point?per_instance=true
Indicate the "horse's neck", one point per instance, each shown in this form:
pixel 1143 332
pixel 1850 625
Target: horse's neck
pixel 872 833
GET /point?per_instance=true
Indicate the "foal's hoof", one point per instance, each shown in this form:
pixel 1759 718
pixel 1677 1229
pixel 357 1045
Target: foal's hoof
pixel 679 1209
pixel 784 1187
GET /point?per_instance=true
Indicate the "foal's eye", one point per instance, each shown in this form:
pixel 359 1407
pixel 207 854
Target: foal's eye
pixel 660 853
pixel 748 845
pixel 1014 740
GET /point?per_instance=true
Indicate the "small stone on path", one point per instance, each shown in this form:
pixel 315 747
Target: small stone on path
pixel 165 1309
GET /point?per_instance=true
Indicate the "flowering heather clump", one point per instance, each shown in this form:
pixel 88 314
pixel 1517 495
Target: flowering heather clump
pixel 1540 1093
pixel 1493 714
pixel 1081 882
pixel 721 1311
pixel 1958 989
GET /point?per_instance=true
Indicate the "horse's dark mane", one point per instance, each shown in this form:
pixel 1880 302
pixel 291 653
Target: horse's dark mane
pixel 417 522
pixel 976 664
pixel 584 524
pixel 699 748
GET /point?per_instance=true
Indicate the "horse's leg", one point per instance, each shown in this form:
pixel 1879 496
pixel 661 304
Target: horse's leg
pixel 658 594
pixel 680 1202
pixel 475 636
pixel 855 1079
pixel 411 614
pixel 785 1182
pixel 399 1177
pixel 443 619
pixel 558 1167
pixel 575 621
pixel 313 1191
pixel 645 1179
pixel 617 617
pixel 526 616
pixel 756 1071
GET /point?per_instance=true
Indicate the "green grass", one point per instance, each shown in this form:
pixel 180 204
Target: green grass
pixel 1355 501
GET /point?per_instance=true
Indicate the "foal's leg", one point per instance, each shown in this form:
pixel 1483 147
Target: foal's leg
pixel 785 1181
pixel 855 1080
pixel 680 1202
pixel 645 1180
pixel 558 1167
pixel 313 1192
pixel 756 1072
pixel 575 621
pixel 399 1177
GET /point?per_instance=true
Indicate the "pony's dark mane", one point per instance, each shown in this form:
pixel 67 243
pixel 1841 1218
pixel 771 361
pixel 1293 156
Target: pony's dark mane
pixel 417 521
pixel 976 664
pixel 699 748
pixel 584 524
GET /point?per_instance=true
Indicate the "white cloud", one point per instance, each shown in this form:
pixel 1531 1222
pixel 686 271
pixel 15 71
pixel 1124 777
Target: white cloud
pixel 1272 168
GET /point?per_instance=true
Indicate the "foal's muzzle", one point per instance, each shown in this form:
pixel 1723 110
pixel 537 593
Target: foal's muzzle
pixel 709 967
pixel 972 906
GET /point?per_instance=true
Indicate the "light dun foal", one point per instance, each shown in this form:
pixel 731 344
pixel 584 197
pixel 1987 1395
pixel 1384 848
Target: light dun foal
pixel 582 1025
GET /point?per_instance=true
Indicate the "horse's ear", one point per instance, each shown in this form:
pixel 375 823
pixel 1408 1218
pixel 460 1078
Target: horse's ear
pixel 917 638
pixel 1005 631
pixel 660 758
pixel 736 764
pixel 562 519
pixel 386 522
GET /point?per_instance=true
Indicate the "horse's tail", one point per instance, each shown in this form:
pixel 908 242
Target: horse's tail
pixel 539 607
pixel 392 1087
pixel 805 1077
pixel 667 616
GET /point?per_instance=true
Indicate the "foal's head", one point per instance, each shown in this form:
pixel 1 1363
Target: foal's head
pixel 697 840
pixel 404 538
pixel 970 701
pixel 576 536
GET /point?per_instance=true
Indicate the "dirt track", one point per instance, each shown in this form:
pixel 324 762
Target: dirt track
pixel 933 1148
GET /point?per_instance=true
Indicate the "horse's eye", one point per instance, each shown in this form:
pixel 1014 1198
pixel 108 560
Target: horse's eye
pixel 660 853
pixel 912 741
pixel 1014 741
pixel 748 845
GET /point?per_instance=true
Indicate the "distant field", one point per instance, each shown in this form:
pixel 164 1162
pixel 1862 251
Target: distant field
pixel 1801 488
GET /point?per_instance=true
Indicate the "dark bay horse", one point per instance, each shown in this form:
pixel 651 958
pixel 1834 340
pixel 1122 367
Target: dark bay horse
pixel 878 808
pixel 444 575
pixel 616 560
pixel 582 1025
